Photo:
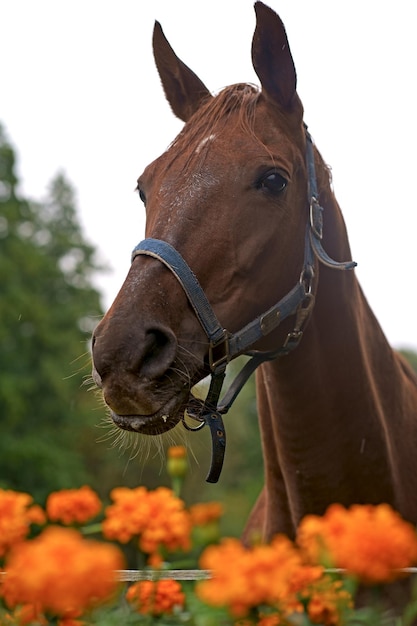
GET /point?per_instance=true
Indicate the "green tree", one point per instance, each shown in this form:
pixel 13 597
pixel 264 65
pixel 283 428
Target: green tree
pixel 47 308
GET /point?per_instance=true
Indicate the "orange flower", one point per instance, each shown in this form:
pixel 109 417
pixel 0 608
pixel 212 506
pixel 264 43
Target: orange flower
pixel 16 515
pixel 70 619
pixel 205 518
pixel 205 513
pixel 246 578
pixel 29 614
pixel 156 598
pixel 36 515
pixel 129 514
pixel 73 505
pixel 61 572
pixel 157 518
pixel 169 523
pixel 327 602
pixel 370 542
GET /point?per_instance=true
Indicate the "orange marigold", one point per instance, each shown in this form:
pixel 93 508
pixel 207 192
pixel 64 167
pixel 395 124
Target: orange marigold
pixel 71 619
pixel 129 514
pixel 28 614
pixel 370 542
pixel 36 515
pixel 158 518
pixel 73 505
pixel 246 578
pixel 327 602
pixel 16 515
pixel 156 598
pixel 205 518
pixel 60 572
pixel 205 513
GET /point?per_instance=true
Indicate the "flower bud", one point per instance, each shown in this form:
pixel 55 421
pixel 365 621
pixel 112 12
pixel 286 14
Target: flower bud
pixel 177 465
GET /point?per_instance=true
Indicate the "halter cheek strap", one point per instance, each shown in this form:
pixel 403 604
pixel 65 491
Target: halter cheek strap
pixel 225 346
pixel 172 259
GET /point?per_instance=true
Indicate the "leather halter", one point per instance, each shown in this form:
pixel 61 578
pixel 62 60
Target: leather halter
pixel 225 346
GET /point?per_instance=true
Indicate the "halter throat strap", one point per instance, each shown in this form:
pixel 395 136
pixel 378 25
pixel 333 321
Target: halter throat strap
pixel 225 346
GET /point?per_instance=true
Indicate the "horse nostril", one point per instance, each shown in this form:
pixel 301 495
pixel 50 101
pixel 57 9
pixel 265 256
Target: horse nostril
pixel 160 351
pixel 145 352
pixel 156 341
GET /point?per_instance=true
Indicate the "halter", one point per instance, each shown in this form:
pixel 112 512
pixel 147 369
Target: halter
pixel 225 346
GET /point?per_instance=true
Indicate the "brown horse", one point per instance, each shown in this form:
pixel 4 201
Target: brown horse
pixel 245 198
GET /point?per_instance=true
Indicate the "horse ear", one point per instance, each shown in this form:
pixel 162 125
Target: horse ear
pixel 271 58
pixel 183 89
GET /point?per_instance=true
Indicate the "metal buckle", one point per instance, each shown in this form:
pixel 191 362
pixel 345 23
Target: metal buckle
pixel 292 340
pixel 316 218
pixel 306 279
pixel 222 346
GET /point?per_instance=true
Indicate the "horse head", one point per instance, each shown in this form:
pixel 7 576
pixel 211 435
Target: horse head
pixel 230 194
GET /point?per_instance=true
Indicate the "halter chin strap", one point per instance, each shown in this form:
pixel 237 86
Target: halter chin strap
pixel 225 346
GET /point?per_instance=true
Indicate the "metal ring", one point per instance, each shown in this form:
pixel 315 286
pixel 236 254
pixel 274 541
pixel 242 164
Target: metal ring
pixel 192 428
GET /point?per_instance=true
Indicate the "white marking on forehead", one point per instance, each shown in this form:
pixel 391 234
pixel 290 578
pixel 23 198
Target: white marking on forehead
pixel 203 142
pixel 183 193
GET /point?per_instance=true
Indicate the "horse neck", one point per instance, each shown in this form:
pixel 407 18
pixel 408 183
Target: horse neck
pixel 343 339
pixel 323 405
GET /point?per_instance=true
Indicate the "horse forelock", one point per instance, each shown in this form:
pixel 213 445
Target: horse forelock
pixel 212 118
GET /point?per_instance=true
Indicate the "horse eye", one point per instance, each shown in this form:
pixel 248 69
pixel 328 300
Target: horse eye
pixel 142 195
pixel 273 181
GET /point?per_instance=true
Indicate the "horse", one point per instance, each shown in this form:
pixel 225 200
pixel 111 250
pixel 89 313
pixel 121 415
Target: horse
pixel 246 252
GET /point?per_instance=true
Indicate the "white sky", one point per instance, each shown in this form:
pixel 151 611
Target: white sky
pixel 79 92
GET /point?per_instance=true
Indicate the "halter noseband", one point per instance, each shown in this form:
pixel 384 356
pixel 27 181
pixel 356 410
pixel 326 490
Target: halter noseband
pixel 225 346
